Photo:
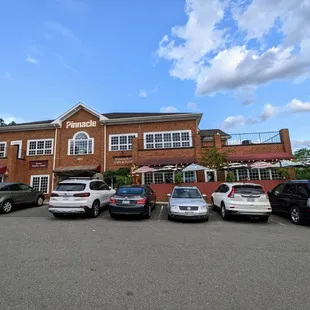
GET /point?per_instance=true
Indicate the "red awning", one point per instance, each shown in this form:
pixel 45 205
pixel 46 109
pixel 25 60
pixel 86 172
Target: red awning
pixel 165 161
pixel 86 168
pixel 259 157
pixel 2 169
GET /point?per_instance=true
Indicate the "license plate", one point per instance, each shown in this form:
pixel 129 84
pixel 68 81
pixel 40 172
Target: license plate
pixel 250 199
pixel 65 198
pixel 126 202
pixel 189 213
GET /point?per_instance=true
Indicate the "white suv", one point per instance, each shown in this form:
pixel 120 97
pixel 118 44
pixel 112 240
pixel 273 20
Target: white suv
pixel 241 198
pixel 80 196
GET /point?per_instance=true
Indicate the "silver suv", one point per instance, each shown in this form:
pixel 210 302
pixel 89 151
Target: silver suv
pixel 186 202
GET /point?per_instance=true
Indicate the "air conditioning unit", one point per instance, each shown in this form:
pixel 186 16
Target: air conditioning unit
pixel 246 142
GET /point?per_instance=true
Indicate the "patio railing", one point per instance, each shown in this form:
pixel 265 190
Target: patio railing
pixel 253 138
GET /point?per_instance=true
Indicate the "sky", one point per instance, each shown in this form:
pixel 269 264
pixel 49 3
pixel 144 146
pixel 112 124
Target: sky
pixel 243 64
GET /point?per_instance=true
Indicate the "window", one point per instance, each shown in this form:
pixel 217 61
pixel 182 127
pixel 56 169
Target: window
pixel 81 144
pixel 158 177
pixel 189 177
pixel 148 178
pixel 279 189
pixel 98 186
pixel 121 142
pixel 2 149
pixel 224 188
pixel 248 189
pixel 289 189
pixel 171 139
pixel 243 174
pixel 254 174
pixel 186 193
pixel 70 187
pixel 4 189
pixel 130 191
pixel 40 183
pixel 40 147
pixel 264 174
pixel 275 174
pixel 302 191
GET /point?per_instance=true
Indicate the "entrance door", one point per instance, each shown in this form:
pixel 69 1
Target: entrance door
pixel 210 175
pixel 19 143
pixel 1 177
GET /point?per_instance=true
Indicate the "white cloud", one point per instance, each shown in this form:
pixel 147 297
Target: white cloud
pixel 7 76
pixel 192 106
pixel 143 93
pixel 233 121
pixel 8 119
pixel 297 106
pixel 219 59
pixel 155 89
pixel 300 143
pixel 32 60
pixel 269 111
pixel 65 65
pixel 169 109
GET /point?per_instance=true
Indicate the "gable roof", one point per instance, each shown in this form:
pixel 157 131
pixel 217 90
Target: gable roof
pixel 118 115
pixel 207 134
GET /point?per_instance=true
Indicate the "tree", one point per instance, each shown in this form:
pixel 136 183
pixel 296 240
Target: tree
pixel 2 123
pixel 214 159
pixel 302 155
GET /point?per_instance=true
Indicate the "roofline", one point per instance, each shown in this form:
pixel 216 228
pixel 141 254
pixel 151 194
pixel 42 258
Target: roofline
pixel 26 127
pixel 152 119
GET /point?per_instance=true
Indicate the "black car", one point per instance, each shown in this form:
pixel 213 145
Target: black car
pixel 293 198
pixel 135 200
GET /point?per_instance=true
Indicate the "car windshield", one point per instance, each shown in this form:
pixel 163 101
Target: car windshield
pixel 248 189
pixel 130 191
pixel 70 187
pixel 186 193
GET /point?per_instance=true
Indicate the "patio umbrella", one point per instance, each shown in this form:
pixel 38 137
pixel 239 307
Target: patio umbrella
pixel 144 169
pixel 261 165
pixel 232 166
pixel 288 164
pixel 194 167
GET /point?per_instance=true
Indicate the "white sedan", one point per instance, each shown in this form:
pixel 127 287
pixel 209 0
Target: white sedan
pixel 241 199
pixel 80 196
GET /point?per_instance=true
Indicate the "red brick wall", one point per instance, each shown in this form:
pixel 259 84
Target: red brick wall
pixel 253 149
pixel 205 188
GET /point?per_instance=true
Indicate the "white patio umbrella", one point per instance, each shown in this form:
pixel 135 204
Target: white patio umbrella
pixel 261 165
pixel 288 164
pixel 144 169
pixel 194 167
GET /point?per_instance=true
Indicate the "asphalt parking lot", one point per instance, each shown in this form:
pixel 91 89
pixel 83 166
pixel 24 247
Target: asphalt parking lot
pixel 81 263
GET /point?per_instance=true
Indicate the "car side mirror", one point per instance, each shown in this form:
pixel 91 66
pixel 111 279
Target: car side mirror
pixel 169 195
pixel 204 195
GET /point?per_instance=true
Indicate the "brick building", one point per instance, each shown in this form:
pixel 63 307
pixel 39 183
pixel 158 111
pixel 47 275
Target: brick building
pixel 82 142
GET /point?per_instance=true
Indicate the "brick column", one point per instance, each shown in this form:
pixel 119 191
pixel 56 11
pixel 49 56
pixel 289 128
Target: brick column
pixel 135 149
pixel 217 141
pixel 286 141
pixel 12 163
pixel 197 146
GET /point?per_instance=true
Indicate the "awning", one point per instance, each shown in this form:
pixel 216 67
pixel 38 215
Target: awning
pixel 259 157
pixel 144 169
pixel 86 168
pixel 261 165
pixel 165 161
pixel 288 164
pixel 194 167
pixel 2 169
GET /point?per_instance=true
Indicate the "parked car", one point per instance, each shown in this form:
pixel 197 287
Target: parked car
pixel 241 199
pixel 293 198
pixel 79 196
pixel 135 200
pixel 15 193
pixel 186 202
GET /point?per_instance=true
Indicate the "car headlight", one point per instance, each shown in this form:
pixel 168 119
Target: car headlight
pixel 173 206
pixel 204 207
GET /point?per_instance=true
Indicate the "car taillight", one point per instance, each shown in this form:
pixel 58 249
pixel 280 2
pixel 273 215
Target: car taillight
pixel 232 193
pixel 54 195
pixel 112 200
pixel 82 195
pixel 141 201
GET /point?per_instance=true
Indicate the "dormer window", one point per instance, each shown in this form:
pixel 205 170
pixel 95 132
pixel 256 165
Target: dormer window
pixel 81 144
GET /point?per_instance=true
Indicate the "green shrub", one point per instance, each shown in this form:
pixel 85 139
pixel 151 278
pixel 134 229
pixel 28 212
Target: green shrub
pixel 230 177
pixel 178 178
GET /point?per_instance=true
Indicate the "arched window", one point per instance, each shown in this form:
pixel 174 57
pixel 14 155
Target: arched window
pixel 81 143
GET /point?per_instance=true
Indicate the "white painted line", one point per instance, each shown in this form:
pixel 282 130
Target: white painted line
pixel 277 222
pixel 160 212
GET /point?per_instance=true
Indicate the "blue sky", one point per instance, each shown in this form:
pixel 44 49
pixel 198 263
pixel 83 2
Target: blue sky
pixel 243 64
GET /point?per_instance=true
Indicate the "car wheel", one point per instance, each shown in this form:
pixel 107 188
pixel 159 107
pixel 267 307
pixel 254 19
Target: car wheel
pixel 40 201
pixel 212 205
pixel 224 212
pixel 148 215
pixel 57 215
pixel 95 209
pixel 7 206
pixel 206 219
pixel 264 218
pixel 296 216
pixel 170 217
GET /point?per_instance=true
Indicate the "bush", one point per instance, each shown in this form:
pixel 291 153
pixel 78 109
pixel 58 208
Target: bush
pixel 230 177
pixel 123 180
pixel 284 173
pixel 178 178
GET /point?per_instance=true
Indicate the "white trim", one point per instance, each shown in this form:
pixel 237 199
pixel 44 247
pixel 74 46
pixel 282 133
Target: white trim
pixel 89 139
pixel 5 148
pixel 171 132
pixel 105 148
pixel 36 140
pixel 74 136
pixel 20 144
pixel 214 173
pixel 75 109
pixel 120 135
pixel 40 176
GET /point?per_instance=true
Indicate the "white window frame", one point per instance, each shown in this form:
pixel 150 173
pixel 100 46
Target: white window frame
pixel 120 135
pixel 88 139
pixel 5 147
pixel 37 140
pixel 20 144
pixel 1 178
pixel 170 132
pixel 40 176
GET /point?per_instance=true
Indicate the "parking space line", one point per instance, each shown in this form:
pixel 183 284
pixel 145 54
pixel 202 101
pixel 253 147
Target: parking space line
pixel 271 220
pixel 160 212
